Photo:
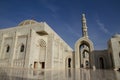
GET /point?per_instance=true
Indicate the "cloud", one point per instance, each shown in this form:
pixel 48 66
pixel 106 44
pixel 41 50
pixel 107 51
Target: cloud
pixel 53 8
pixel 102 27
pixel 71 30
pixel 48 4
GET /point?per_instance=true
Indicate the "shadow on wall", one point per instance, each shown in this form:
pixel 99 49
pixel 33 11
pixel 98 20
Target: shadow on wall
pixel 101 59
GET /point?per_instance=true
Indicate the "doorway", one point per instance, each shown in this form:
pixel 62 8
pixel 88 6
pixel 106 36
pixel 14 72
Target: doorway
pixel 101 60
pixel 69 62
pixel 35 65
pixel 43 65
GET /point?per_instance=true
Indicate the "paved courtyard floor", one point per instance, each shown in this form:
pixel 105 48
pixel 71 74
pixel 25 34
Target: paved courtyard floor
pixel 68 74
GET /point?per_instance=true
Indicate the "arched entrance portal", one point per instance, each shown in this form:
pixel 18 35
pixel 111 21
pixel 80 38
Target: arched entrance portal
pixel 84 53
pixel 101 60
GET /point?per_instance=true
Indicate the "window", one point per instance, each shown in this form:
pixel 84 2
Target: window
pixel 22 48
pixel 7 48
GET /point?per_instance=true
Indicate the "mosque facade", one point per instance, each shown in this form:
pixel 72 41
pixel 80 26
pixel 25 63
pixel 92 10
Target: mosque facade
pixel 35 45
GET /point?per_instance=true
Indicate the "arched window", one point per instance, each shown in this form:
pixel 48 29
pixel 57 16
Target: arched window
pixel 7 48
pixel 22 48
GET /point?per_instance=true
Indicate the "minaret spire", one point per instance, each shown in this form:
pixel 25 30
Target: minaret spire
pixel 84 26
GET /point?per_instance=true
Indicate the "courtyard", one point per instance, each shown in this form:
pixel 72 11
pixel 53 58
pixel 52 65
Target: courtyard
pixel 67 74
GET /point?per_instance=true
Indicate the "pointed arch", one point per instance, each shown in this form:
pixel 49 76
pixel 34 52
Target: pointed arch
pixel 82 46
pixel 68 62
pixel 85 53
pixel 101 62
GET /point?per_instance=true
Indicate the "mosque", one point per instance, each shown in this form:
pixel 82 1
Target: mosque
pixel 35 45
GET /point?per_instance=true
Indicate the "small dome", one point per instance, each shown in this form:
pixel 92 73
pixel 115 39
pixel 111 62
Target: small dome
pixel 27 22
pixel 116 36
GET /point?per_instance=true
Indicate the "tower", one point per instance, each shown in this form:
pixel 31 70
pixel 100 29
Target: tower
pixel 84 26
pixel 83 48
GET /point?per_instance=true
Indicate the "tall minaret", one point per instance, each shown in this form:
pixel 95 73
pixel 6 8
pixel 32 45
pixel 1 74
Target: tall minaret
pixel 84 27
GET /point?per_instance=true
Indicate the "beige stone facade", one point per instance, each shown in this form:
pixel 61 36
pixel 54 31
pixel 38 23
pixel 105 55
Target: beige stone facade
pixel 35 45
pixel 114 51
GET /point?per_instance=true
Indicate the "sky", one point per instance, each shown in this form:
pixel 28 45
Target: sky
pixel 64 16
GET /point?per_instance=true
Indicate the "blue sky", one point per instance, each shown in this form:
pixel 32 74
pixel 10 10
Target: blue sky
pixel 64 16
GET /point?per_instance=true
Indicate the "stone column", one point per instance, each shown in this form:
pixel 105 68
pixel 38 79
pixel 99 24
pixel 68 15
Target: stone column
pixel 12 56
pixel 58 53
pixel 77 57
pixel 50 52
pixel 61 55
pixel 27 52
